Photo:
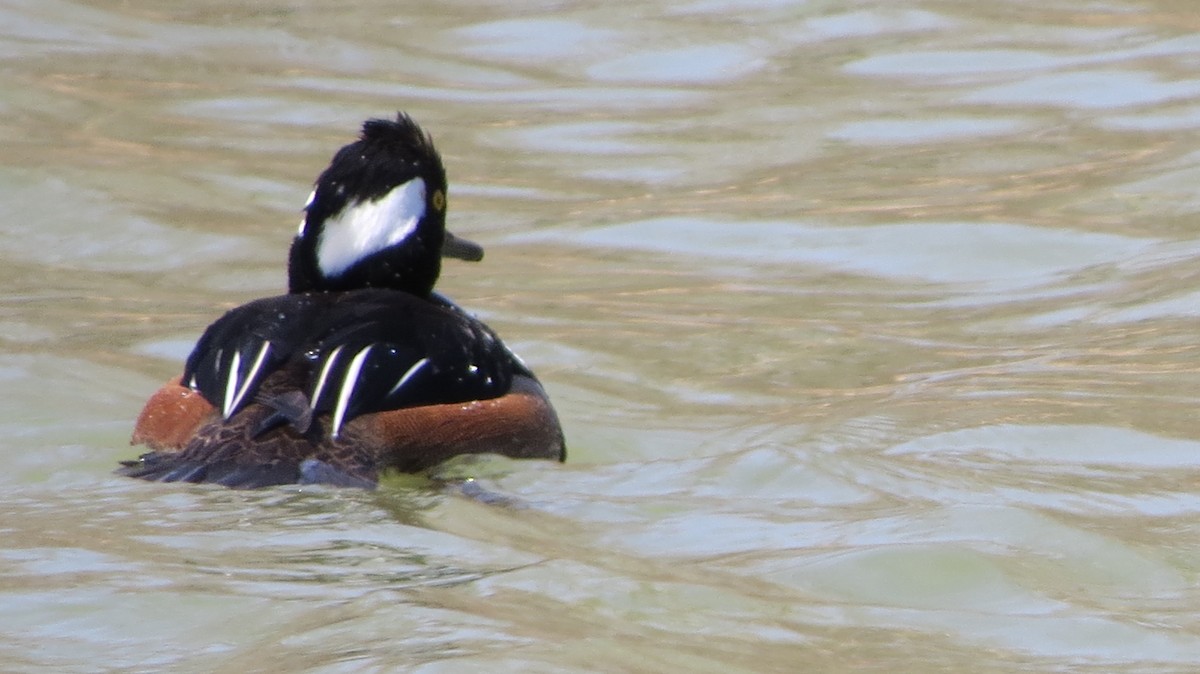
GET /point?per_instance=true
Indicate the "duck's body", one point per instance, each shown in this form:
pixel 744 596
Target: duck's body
pixel 361 367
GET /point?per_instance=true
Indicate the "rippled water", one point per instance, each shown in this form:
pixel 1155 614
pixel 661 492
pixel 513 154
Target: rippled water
pixel 871 325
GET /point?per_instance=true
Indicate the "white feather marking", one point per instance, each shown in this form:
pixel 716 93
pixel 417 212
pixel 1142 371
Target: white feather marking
pixel 370 226
pixel 408 375
pixel 324 376
pixel 253 374
pixel 231 384
pixel 304 221
pixel 349 381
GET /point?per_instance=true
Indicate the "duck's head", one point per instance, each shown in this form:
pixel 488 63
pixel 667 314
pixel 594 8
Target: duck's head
pixel 377 217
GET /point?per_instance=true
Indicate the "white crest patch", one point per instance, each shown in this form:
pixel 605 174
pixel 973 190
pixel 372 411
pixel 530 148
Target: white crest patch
pixel 304 221
pixel 370 226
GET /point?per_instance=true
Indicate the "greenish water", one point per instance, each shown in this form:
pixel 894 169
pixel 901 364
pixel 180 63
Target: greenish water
pixel 871 326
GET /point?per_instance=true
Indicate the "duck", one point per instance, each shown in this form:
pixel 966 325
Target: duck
pixel 361 367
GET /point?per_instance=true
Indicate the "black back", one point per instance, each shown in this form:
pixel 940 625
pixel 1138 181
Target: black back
pixel 361 351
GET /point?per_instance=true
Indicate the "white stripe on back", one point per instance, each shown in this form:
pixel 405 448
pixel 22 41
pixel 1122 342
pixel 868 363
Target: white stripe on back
pixel 408 375
pixel 323 377
pixel 231 383
pixel 349 381
pixel 254 369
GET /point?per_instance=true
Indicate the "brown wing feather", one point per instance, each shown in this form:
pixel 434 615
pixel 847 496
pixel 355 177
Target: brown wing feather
pixel 520 424
pixel 171 417
pixel 193 443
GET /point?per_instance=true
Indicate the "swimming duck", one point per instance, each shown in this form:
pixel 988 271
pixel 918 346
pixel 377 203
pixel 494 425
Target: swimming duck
pixel 361 367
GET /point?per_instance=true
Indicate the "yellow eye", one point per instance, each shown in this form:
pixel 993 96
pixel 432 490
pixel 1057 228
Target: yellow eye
pixel 439 200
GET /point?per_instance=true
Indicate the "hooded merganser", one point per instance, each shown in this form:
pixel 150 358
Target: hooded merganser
pixel 361 367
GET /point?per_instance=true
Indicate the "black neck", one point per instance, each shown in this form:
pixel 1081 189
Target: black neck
pixel 413 268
